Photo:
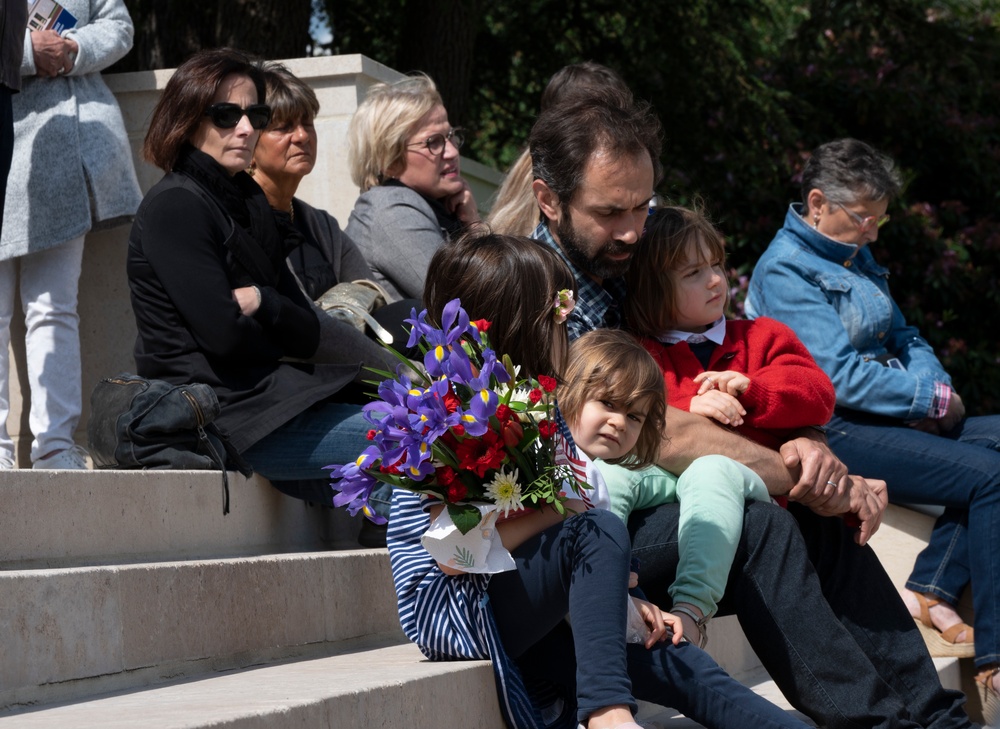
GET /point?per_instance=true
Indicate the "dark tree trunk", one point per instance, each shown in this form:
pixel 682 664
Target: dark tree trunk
pixel 439 40
pixel 168 31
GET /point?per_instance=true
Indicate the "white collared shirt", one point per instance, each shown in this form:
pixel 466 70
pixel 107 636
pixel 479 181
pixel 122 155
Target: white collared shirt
pixel 715 333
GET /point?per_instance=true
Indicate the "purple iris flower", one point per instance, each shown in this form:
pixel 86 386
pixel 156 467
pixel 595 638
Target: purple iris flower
pixel 354 485
pixel 430 418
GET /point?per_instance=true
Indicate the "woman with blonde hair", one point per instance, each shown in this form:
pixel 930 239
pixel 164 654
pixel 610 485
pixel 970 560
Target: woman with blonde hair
pixel 404 155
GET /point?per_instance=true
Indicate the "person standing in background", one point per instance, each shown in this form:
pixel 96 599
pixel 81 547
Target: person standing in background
pixel 13 20
pixel 71 172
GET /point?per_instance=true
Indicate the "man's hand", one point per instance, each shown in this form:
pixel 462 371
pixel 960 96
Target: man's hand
pixel 822 478
pixel 54 55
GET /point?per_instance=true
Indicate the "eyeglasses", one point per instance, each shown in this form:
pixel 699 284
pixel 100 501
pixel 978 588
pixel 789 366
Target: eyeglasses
pixel 435 143
pixel 227 116
pixel 865 223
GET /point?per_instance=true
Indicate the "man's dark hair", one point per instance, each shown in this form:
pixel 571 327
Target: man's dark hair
pixel 567 134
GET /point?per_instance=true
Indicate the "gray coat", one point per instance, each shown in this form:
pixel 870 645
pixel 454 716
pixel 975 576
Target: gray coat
pixel 72 167
pixel 398 233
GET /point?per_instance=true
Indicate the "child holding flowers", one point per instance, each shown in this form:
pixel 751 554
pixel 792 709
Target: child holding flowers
pixel 548 675
pixel 613 402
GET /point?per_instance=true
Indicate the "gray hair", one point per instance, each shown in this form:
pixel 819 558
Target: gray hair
pixel 849 171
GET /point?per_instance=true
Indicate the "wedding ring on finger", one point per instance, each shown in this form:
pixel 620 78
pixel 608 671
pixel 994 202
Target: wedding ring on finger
pixel 61 70
pixel 832 483
pixel 711 383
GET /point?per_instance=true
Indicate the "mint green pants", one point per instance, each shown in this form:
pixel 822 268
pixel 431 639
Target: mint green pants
pixel 711 493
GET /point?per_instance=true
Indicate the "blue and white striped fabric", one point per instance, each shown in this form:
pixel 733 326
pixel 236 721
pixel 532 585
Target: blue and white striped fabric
pixel 449 617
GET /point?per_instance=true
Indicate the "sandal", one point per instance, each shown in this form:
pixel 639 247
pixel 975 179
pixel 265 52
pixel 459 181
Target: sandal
pixel 943 643
pixel 989 700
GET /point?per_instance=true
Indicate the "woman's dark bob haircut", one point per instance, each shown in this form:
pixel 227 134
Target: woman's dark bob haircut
pixel 189 93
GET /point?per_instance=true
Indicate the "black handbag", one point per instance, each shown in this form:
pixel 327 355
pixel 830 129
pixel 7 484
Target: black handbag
pixel 140 423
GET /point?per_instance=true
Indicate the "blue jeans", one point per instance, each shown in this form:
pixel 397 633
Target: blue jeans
pixel 959 470
pixel 820 613
pixel 325 434
pixel 580 567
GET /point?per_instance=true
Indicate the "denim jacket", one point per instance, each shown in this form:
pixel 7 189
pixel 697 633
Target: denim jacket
pixel 836 298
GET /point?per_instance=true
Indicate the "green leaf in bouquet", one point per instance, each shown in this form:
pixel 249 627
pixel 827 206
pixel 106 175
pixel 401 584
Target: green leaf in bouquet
pixel 518 407
pixel 464 516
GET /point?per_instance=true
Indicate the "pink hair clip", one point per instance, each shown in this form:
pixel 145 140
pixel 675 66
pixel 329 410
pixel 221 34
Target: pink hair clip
pixel 564 305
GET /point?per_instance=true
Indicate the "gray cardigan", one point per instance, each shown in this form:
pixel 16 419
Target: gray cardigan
pixel 72 167
pixel 398 234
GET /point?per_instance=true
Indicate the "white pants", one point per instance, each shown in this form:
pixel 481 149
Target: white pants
pixel 49 281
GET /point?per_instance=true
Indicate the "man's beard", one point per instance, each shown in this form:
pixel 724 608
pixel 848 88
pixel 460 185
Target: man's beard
pixel 598 265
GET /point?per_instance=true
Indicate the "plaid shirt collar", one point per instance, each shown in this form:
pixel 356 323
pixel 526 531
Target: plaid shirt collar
pixel 597 306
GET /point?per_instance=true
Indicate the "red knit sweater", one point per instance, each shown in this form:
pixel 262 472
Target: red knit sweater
pixel 787 389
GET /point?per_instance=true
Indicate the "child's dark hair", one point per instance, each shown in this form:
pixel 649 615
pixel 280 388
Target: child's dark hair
pixel 672 236
pixel 510 281
pixel 609 364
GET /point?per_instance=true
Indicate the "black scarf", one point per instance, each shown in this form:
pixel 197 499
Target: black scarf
pixel 260 240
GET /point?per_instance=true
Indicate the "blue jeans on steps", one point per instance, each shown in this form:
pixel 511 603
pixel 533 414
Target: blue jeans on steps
pixel 959 470
pixel 820 613
pixel 325 434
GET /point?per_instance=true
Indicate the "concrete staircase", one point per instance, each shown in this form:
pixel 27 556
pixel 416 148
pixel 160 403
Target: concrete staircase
pixel 127 599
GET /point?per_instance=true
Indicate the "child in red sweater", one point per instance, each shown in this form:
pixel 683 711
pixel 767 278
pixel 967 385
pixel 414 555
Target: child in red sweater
pixel 753 376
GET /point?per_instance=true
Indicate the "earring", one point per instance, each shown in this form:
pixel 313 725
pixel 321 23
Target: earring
pixel 252 168
pixel 816 220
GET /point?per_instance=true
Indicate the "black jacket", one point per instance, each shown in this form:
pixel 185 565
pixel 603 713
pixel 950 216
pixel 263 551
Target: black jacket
pixel 182 269
pixel 13 20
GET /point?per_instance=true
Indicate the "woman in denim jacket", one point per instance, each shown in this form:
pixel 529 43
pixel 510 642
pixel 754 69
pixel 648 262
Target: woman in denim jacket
pixel 897 416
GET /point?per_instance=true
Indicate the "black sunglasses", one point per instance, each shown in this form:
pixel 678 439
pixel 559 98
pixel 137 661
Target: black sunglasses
pixel 227 116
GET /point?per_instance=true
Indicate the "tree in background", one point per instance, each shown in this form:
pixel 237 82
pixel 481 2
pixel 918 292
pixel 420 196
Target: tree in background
pixel 167 32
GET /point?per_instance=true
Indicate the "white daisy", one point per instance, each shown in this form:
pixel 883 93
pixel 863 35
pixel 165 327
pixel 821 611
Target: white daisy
pixel 505 491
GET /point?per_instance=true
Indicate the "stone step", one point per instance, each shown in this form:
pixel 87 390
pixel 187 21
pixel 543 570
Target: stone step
pixel 364 684
pixel 74 518
pixel 72 632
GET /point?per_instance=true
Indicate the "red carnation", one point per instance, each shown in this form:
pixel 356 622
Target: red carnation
pixel 456 492
pixel 548 383
pixel 458 430
pixel 504 413
pixel 445 475
pixel 482 325
pixel 480 455
pixel 370 435
pixel 547 428
pixel 534 396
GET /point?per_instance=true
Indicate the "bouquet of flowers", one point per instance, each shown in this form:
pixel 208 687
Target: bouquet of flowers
pixel 470 431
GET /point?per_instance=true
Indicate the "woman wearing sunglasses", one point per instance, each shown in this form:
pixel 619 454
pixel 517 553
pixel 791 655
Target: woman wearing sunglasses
pixel 897 416
pixel 404 155
pixel 213 298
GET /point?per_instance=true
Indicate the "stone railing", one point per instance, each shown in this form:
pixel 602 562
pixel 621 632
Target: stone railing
pixel 107 329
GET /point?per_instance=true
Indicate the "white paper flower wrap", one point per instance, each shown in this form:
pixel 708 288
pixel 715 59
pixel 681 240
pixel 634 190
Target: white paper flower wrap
pixel 480 551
